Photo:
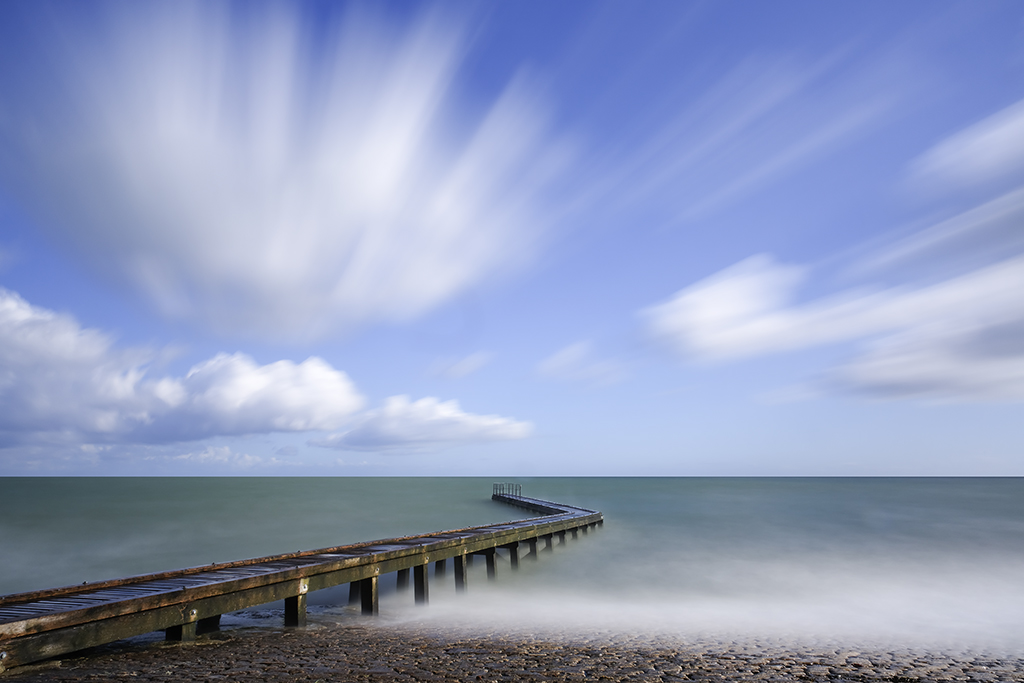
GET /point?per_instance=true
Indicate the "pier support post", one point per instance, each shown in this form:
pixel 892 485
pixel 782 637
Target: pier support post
pixel 439 568
pixel 561 537
pixel 368 596
pixel 208 625
pixel 532 542
pixel 492 568
pixel 402 580
pixel 548 542
pixel 353 593
pixel 295 610
pixel 183 633
pixel 460 573
pixel 513 554
pixel 421 588
pixel 574 533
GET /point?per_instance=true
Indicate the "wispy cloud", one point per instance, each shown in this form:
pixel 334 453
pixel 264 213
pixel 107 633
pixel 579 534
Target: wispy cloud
pixel 747 310
pixel 457 368
pixel 761 120
pixel 577 363
pixel 989 150
pixel 401 424
pixel 975 238
pixel 955 332
pixel 259 178
pixel 953 329
pixel 979 362
pixel 959 338
pixel 61 383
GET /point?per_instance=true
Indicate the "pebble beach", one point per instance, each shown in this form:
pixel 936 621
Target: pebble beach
pixel 369 650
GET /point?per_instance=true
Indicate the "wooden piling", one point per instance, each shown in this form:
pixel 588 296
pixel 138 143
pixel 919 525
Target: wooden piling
pixel 295 610
pixel 295 606
pixel 492 568
pixel 421 586
pixel 181 633
pixel 460 573
pixel 208 625
pixel 368 598
pixel 513 554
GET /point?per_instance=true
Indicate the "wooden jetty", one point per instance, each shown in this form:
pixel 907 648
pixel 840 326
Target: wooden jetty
pixel 48 623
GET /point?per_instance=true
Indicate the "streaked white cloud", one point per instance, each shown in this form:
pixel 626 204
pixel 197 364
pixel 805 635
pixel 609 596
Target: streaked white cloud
pixel 986 151
pixel 761 120
pixel 577 363
pixel 401 424
pixel 960 338
pixel 258 178
pixel 953 329
pixel 975 238
pixel 457 368
pixel 983 363
pixel 61 383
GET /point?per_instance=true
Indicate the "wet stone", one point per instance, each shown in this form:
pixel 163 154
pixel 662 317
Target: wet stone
pixel 394 652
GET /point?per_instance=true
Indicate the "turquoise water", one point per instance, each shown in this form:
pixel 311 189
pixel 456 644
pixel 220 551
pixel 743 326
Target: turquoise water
pixel 937 560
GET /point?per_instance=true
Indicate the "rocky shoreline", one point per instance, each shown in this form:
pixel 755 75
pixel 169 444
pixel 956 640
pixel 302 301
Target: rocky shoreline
pixel 373 650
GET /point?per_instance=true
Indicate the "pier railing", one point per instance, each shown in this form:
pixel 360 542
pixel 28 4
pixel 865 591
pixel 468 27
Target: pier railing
pixel 507 490
pixel 43 624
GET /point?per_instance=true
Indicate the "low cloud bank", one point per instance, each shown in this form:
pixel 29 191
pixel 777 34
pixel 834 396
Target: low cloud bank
pixel 64 383
pixel 401 424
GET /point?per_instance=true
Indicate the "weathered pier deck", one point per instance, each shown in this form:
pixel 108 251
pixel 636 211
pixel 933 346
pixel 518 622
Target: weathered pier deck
pixel 44 624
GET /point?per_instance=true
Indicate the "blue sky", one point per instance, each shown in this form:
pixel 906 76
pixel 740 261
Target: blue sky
pixel 576 238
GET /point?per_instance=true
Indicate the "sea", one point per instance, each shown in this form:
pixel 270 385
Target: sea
pixel 918 562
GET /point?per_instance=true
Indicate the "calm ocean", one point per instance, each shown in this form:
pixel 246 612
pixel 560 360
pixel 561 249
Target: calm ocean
pixel 934 561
